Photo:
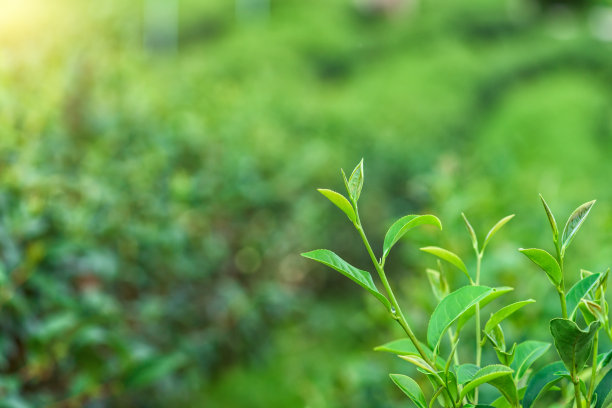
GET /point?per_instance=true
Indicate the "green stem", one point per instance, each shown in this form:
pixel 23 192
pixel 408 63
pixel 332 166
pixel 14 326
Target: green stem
pixel 577 394
pixel 397 311
pixel 593 369
pixel 561 287
pixel 477 317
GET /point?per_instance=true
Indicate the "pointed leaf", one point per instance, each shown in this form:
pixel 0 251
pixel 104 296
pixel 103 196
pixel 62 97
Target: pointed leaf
pixel 498 376
pixel 419 363
pixel 526 354
pixel 603 392
pixel 410 388
pixel 579 291
pixel 340 201
pixel 573 344
pixel 495 293
pixel 574 223
pixel 546 262
pixel 496 228
pixel 466 372
pixel 355 182
pixel 504 312
pixel 542 381
pixel 362 278
pixel 471 231
pixel 405 224
pixel 447 256
pixel 438 284
pixel 404 347
pixel 551 219
pixel 450 309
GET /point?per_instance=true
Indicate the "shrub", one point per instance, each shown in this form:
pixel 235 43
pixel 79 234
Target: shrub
pixel 455 383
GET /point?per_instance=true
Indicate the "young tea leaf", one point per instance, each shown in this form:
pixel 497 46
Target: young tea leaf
pixel 579 291
pixel 449 257
pixel 503 313
pixel 526 354
pixel 542 381
pixel 496 228
pixel 341 202
pixel 546 262
pixel 355 182
pixel 498 376
pixel 573 344
pixel 551 219
pixel 471 231
pixel 451 308
pixel 405 224
pixel 362 278
pixel 495 293
pixel 410 388
pixel 574 223
pixel 404 347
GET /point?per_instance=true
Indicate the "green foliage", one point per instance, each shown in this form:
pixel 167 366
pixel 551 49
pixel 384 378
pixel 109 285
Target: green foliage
pixel 460 387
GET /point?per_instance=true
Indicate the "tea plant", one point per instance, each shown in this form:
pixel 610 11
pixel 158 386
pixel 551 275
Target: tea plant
pixel 455 383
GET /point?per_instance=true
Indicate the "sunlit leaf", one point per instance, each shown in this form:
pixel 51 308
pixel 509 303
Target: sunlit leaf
pixel 498 376
pixel 579 291
pixel 410 388
pixel 551 219
pixel 471 232
pixel 362 278
pixel 355 182
pixel 574 223
pixel 340 201
pixel 404 347
pixel 546 262
pixel 405 224
pixel 447 256
pixel 504 312
pixel 573 344
pixel 451 308
pixel 496 228
pixel 495 293
pixel 526 354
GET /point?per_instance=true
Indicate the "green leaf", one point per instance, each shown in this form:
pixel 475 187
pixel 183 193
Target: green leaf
pixel 526 354
pixel 542 381
pixel 471 231
pixel 438 284
pixel 496 228
pixel 545 261
pixel 451 308
pixel 410 388
pixel 362 278
pixel 501 402
pixel 573 344
pixel 449 257
pixel 355 182
pixel 503 313
pixel 419 363
pixel 466 372
pixel 404 347
pixel 495 293
pixel 405 224
pixel 498 376
pixel 578 291
pixel 551 219
pixel 341 202
pixel 574 223
pixel 603 392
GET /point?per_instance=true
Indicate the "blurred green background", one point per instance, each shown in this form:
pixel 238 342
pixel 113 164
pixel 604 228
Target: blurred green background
pixel 158 166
